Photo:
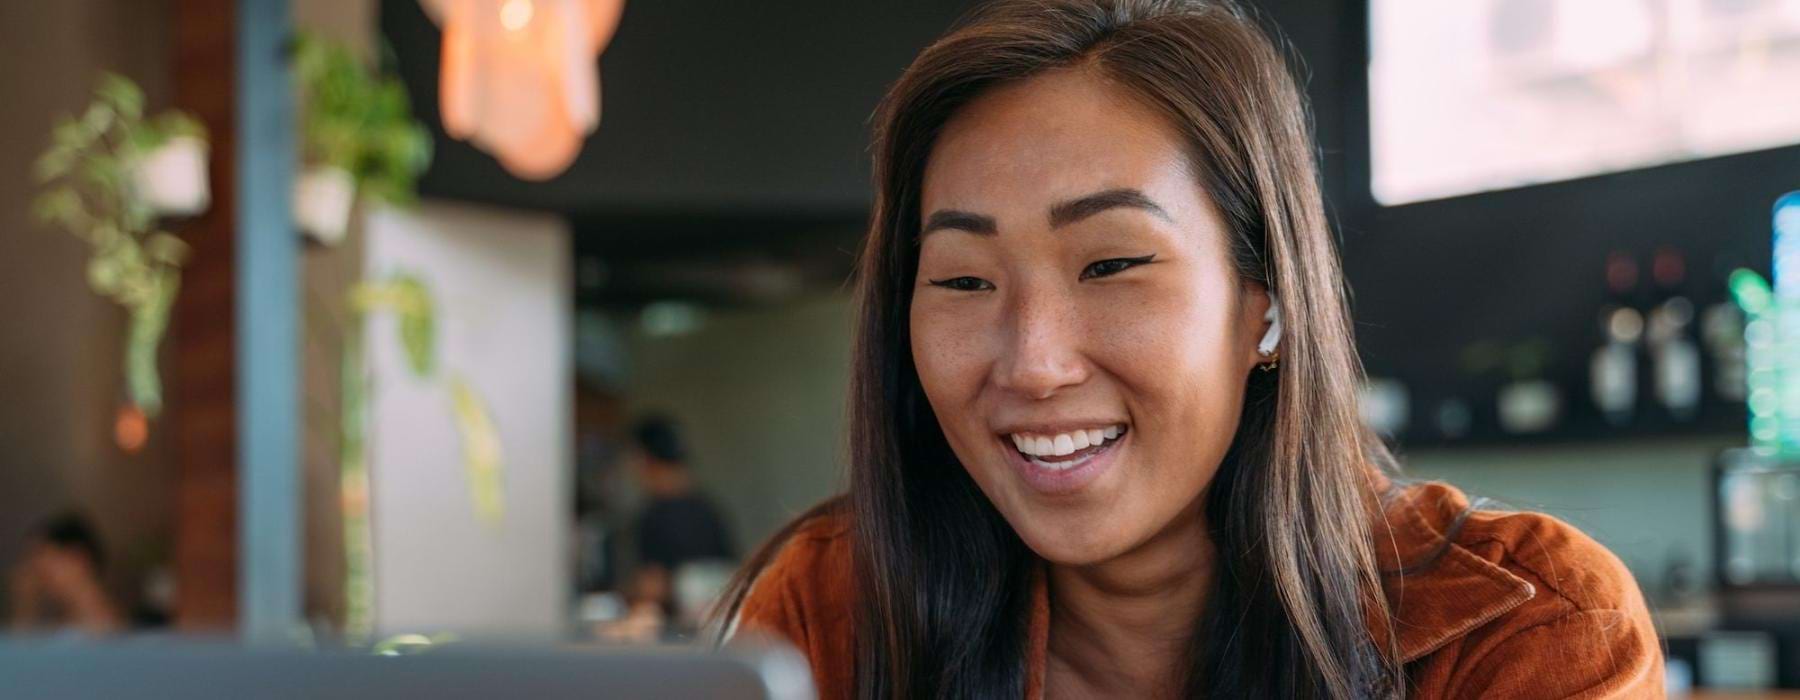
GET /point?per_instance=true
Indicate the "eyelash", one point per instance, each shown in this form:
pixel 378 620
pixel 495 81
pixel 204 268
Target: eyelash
pixel 960 284
pixel 1092 271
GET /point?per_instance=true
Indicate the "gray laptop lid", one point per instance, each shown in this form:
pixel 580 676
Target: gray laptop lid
pixel 748 672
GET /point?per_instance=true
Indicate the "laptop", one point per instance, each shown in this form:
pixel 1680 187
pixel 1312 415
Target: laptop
pixel 185 670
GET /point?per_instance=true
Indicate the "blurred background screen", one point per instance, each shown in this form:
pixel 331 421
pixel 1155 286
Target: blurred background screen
pixel 1490 94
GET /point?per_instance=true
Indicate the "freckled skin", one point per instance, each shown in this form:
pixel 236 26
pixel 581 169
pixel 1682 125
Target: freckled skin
pixel 1164 347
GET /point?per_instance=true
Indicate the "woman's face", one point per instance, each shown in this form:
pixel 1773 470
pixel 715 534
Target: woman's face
pixel 1077 323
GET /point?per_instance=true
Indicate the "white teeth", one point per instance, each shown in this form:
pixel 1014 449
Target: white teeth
pixel 1065 443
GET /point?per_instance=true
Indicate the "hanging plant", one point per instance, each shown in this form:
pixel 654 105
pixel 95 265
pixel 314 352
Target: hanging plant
pixel 358 136
pixel 409 301
pixel 106 177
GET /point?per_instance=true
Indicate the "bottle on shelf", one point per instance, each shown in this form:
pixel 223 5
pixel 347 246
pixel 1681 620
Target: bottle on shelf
pixel 1673 352
pixel 1613 370
pixel 1722 334
pixel 1529 403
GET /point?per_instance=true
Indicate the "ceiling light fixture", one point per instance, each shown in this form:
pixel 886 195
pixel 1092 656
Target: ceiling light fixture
pixel 521 78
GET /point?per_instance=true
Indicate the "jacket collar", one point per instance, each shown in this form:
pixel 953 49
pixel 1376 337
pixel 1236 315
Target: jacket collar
pixel 1431 601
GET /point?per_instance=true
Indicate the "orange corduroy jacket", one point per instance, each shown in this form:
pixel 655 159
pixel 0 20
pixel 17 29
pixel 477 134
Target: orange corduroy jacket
pixel 1519 605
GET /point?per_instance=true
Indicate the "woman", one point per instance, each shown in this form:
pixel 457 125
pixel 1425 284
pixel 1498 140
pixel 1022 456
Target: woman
pixel 1103 427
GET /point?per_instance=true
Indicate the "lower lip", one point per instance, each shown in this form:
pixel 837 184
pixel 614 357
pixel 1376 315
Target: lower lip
pixel 1062 482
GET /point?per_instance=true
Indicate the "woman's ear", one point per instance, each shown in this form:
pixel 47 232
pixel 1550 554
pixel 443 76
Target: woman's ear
pixel 1262 325
pixel 1271 339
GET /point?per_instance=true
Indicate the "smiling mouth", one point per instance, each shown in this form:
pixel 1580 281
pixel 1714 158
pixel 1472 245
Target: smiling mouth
pixel 1066 450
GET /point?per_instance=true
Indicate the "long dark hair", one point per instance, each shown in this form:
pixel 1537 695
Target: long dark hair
pixel 942 580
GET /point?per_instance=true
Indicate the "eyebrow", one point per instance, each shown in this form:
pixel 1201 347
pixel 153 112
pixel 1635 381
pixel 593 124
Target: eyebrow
pixel 959 221
pixel 1065 213
pixel 1061 214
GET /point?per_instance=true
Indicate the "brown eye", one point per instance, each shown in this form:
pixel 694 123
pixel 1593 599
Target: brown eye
pixel 963 284
pixel 1108 268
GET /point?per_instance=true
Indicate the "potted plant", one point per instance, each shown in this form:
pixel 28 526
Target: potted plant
pixel 172 177
pixel 107 176
pixel 358 137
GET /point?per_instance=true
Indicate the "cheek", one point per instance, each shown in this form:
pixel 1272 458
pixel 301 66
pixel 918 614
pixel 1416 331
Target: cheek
pixel 946 350
pixel 1176 351
pixel 1171 340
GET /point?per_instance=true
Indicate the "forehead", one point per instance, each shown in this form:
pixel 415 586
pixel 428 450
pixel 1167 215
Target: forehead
pixel 1062 134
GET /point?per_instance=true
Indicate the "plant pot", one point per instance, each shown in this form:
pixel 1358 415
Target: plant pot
pixel 323 198
pixel 172 178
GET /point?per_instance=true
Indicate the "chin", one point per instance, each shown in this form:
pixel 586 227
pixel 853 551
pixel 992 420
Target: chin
pixel 1071 542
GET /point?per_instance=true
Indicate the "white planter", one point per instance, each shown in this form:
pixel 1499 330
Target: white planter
pixel 172 178
pixel 323 197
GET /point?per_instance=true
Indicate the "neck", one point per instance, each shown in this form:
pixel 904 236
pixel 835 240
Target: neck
pixel 1124 627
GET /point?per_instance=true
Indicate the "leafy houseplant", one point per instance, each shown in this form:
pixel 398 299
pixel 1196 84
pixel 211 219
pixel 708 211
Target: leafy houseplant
pixel 409 301
pixel 107 175
pixel 358 136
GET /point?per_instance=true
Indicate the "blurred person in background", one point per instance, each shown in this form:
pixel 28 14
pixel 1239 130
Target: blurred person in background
pixel 600 488
pixel 1104 433
pixel 681 536
pixel 57 586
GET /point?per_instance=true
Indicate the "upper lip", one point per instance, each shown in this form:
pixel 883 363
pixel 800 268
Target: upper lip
pixel 1056 427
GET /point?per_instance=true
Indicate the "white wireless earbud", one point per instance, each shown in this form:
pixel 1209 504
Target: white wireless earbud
pixel 1273 337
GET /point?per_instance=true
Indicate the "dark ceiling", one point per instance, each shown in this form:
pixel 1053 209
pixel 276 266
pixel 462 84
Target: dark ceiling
pixel 732 133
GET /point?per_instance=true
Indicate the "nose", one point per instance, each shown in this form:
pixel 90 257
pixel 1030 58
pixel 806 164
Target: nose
pixel 1042 353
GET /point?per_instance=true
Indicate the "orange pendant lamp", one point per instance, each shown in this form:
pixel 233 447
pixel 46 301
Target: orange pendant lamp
pixel 521 78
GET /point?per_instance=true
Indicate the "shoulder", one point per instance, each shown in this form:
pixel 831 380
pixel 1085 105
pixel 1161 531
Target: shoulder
pixel 805 597
pixel 814 556
pixel 1516 600
pixel 1568 570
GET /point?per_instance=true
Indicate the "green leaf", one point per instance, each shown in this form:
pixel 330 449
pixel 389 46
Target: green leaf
pixel 358 120
pixel 165 248
pixel 68 135
pixel 106 238
pixel 178 124
pixel 143 139
pixel 137 214
pixel 148 323
pixel 57 206
pixel 483 455
pixel 104 275
pixel 98 118
pixel 103 174
pixel 121 94
pixel 53 164
pixel 418 335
